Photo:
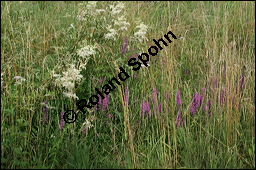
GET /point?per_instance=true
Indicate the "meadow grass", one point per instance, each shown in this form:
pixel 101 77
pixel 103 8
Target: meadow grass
pixel 215 58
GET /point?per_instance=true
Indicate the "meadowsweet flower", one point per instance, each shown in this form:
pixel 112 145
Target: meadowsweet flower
pixel 2 79
pixel 86 51
pixel 140 34
pixel 115 10
pixel 112 33
pixel 87 125
pixel 70 95
pixel 68 80
pixel 18 80
pixel 178 100
pixel 121 23
pixel 98 11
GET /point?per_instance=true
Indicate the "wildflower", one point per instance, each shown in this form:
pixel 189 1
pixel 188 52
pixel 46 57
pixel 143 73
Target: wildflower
pixel 197 101
pixel 102 80
pixel 70 95
pixel 125 45
pixel 62 122
pixel 87 125
pixel 99 11
pixel 126 97
pixel 86 51
pixel 110 115
pixel 178 119
pixel 242 82
pixel 160 108
pixel 121 23
pixel 2 79
pixel 178 100
pixel 145 107
pixel 186 71
pixel 105 103
pixel 167 96
pixel 112 33
pixel 154 94
pixel 116 9
pixel 18 80
pixel 140 34
pixel 68 80
pixel 222 96
pixel 45 110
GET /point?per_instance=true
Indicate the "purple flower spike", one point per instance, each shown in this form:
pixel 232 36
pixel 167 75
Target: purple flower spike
pixel 242 82
pixel 126 97
pixel 154 94
pixel 186 71
pixel 145 108
pixel 105 103
pixel 178 100
pixel 125 45
pixel 45 110
pixel 160 107
pixel 62 122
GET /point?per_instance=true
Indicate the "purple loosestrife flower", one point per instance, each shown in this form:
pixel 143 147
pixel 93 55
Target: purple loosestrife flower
pixel 167 96
pixel 126 96
pixel 242 82
pixel 224 71
pixel 197 101
pixel 178 100
pixel 178 119
pixel 45 110
pixel 160 107
pixel 105 103
pixel 145 108
pixel 125 45
pixel 154 94
pixel 62 122
pixel 186 71
pixel 222 96
pixel 99 104
pixel 102 80
pixel 215 82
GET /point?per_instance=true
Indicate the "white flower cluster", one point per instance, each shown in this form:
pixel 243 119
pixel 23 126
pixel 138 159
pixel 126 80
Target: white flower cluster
pixel 86 51
pixel 116 9
pixel 90 10
pixel 18 80
pixel 2 79
pixel 119 23
pixel 68 80
pixel 141 33
pixel 112 33
pixel 87 124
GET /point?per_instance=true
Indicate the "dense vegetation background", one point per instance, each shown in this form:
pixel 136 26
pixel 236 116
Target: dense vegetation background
pixel 193 107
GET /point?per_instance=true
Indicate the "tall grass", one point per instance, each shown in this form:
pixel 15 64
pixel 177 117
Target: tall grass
pixel 215 58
